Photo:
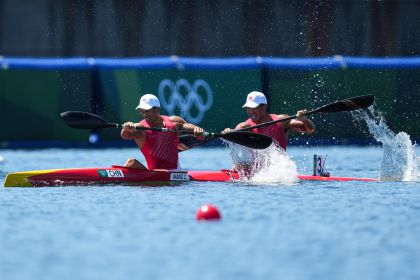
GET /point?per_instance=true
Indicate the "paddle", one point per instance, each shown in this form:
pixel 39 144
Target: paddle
pixel 250 140
pixel 84 120
pixel 350 104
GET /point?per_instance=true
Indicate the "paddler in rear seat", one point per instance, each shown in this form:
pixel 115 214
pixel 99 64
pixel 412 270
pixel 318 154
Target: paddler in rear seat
pixel 160 149
pixel 256 108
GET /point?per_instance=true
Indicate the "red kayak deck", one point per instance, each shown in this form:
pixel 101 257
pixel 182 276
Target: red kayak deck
pixel 227 175
pixel 130 176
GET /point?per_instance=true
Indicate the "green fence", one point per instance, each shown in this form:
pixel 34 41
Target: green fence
pixel 208 92
pixel 396 94
pixel 31 101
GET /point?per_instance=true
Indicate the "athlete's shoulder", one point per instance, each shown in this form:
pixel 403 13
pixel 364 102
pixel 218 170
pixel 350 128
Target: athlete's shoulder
pixel 244 124
pixel 177 119
pixel 142 123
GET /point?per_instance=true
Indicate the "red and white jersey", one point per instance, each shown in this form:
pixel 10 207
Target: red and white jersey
pixel 161 148
pixel 275 131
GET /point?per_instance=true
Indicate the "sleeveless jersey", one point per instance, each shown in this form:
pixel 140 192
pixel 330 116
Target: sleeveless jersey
pixel 275 131
pixel 161 148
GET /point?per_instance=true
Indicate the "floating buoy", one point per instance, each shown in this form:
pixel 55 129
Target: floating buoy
pixel 208 212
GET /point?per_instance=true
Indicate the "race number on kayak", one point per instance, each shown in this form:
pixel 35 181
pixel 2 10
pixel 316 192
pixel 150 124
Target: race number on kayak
pixel 179 176
pixel 111 173
pixel 319 164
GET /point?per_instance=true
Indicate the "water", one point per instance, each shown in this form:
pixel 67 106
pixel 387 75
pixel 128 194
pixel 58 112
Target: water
pixel 399 161
pixel 270 165
pixel 273 227
pixel 305 230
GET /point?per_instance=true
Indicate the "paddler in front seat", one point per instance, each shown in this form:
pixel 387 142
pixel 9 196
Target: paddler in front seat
pixel 256 108
pixel 160 149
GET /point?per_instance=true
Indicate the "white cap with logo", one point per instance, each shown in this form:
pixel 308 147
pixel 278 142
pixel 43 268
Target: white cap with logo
pixel 148 101
pixel 254 99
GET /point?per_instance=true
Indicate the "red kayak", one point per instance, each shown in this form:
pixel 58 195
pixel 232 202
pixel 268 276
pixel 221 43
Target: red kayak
pixel 119 175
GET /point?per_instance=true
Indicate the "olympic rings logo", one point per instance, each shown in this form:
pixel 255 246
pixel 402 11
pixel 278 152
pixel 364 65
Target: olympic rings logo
pixel 186 97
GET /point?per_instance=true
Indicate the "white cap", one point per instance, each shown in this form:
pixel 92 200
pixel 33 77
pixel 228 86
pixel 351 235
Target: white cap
pixel 254 99
pixel 148 101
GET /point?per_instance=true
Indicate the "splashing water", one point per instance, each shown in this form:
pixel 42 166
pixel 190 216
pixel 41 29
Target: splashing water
pixel 271 165
pixel 399 162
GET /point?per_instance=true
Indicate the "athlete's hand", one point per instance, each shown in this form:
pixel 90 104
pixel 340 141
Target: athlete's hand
pixel 129 126
pixel 301 114
pixel 199 132
pixel 227 130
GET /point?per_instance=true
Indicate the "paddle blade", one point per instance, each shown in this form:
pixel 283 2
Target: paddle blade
pixel 248 139
pixel 187 142
pixel 350 104
pixel 84 120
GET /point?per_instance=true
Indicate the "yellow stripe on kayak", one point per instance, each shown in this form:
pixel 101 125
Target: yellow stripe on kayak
pixel 20 179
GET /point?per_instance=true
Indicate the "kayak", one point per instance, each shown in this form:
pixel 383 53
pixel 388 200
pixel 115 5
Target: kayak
pixel 119 175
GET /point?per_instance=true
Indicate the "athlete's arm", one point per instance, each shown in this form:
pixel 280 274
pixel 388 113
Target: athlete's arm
pixel 237 127
pixel 129 131
pixel 241 125
pixel 181 124
pixel 301 123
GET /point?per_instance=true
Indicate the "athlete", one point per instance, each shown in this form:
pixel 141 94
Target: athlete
pixel 160 149
pixel 256 108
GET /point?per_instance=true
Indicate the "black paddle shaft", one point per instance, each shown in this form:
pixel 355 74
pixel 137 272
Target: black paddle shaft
pixel 85 120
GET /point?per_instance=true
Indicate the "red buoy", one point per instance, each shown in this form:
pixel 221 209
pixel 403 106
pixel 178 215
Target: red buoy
pixel 208 212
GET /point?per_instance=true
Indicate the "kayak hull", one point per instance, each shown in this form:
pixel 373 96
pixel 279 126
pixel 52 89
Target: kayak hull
pixel 119 175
